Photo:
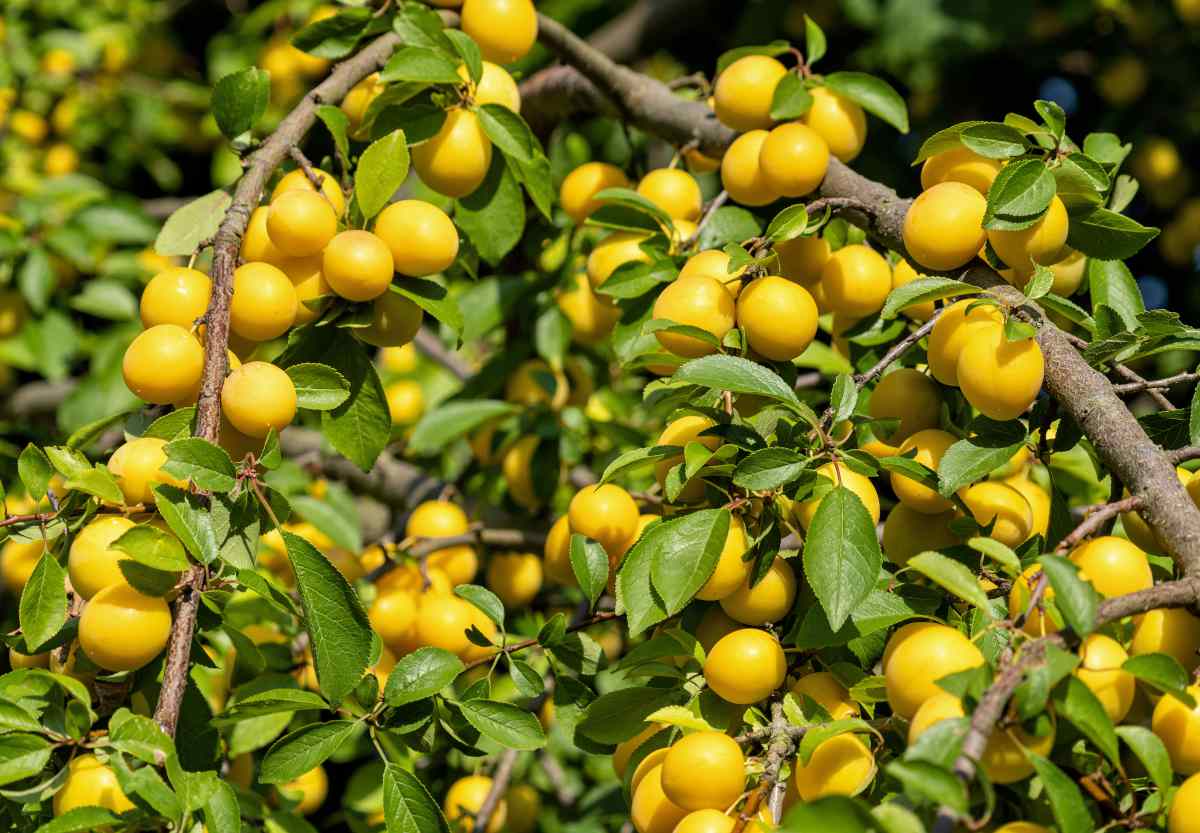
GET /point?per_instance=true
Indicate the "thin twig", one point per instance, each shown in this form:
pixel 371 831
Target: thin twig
pixel 710 210
pixel 516 647
pixel 1167 382
pixel 1095 519
pixel 500 779
pixel 897 350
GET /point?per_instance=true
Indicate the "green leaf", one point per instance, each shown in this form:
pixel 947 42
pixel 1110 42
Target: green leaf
pixel 510 726
pixel 493 216
pixel 334 618
pixel 432 297
pixel 1070 812
pixel 333 37
pixel 1162 672
pixel 589 562
pixel 21 756
pixel 1075 598
pixel 80 819
pixel 776 47
pixel 998 552
pixel 814 41
pixel 419 25
pixel 147 580
pixel 381 171
pixel 635 592
pixel 343 528
pixel 841 554
pixel 508 132
pixel 139 736
pixel 619 715
pixel 417 63
pixel 1150 750
pixel 221 811
pixel 43 607
pixel 1019 196
pixel 921 291
pixel 106 299
pixel 728 226
pixel 873 94
pixel 683 554
pixel 35 471
pixel 318 386
pixel 151 546
pixel 948 138
pixel 930 784
pixel 1100 233
pixel 843 397
pixel 739 375
pixel 206 465
pixel 769 468
pixel 951 576
pixel 469 51
pixel 407 805
pixel 994 140
pixel 552 336
pixel 1111 284
pixel 240 99
pixel 421 674
pixel 173 426
pixel 191 224
pixel 304 749
pixel 97 481
pixel 791 98
pixel 830 814
pixel 487 601
pixel 1076 702
pixel 1040 284
pixel 788 224
pixel 36 279
pixel 192 521
pixel 968 460
pixel 618 203
pixel 338 125
pixel 452 420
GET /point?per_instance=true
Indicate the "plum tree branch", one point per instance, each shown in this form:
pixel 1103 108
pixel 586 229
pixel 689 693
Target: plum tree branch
pixel 517 647
pixel 1096 519
pixel 500 778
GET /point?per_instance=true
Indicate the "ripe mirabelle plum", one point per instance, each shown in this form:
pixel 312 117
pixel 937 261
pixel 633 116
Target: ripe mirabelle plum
pixel 1039 621
pixel 778 316
pixel 578 191
pixel 405 401
pixel 420 236
pixel 902 273
pixel 743 92
pixel 802 259
pixel 707 821
pixel 308 280
pixel 358 100
pixel 18 661
pixel 992 500
pixel 674 191
pixel 177 295
pixel 1113 565
pixel 839 121
pixel 301 222
pixel 651 811
pixel 824 688
pixel 960 164
pixel 680 432
pixel 534 383
pixel 699 301
pixel 403 359
pixel 1039 501
pixel 137 465
pixel 495 86
pixel 1000 378
pixel 357 265
pixel 742 175
pixel 90 783
pixel 256 243
pixel 122 630
pixel 298 180
pixel 745 666
pixel 91 562
pixel 556 554
pixel 714 625
pixel 1042 243
pixel 442 622
pixel 1025 827
pixel 504 29
pixel 1185 805
pixel 592 315
pixel 856 280
pixel 1178 727
pixel 257 397
pixel 1100 670
pixel 443 519
pixel 842 765
pixel 393 615
pixel 626 748
pixel 163 364
pixel 1136 528
pixel 517 468
pixel 612 252
pixel 917 656
pixel 1172 631
pixel 942 228
pixel 308 791
pixel 731 571
pixel 929 446
pixel 13 312
pixel 768 601
pixel 704 770
pixel 907 532
pixel 1068 273
pixel 17 563
pixel 606 514
pixel 954 330
pixel 515 577
pixel 715 264
pixel 395 322
pixel 264 303
pixel 793 159
pixel 839 475
pixel 910 396
pixel 456 159
pixel 524 805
